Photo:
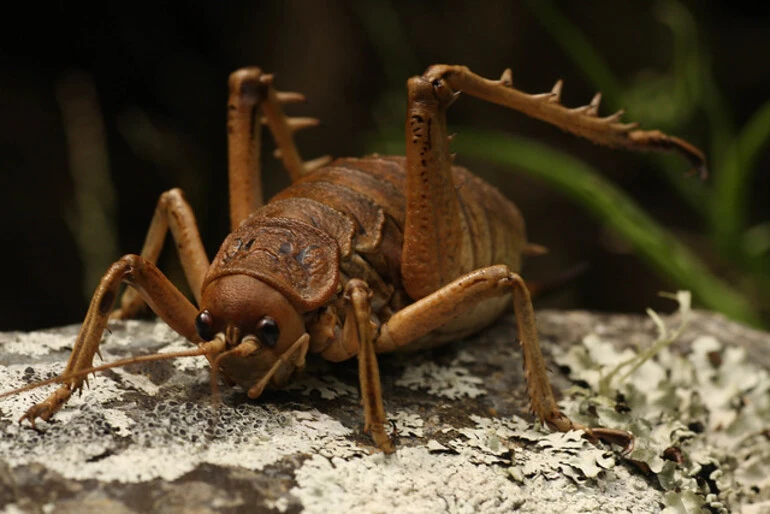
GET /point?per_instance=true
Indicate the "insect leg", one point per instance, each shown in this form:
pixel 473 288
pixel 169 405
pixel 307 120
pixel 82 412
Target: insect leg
pixel 153 287
pixel 355 337
pixel 440 308
pixel 284 127
pixel 244 148
pixel 582 121
pixel 436 246
pixel 172 212
pixel 252 91
pixel 359 330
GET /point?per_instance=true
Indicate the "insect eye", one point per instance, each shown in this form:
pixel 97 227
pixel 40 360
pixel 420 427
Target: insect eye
pixel 204 324
pixel 268 331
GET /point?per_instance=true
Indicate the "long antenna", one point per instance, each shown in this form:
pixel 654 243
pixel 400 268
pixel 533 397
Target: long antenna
pixel 203 350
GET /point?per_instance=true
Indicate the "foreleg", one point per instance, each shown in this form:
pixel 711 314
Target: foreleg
pixel 153 287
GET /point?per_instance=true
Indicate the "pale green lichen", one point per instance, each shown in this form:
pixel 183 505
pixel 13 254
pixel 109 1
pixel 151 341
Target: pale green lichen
pixel 407 423
pixel 530 453
pixel 451 382
pixel 327 386
pixel 665 338
pixel 709 402
pixel 701 419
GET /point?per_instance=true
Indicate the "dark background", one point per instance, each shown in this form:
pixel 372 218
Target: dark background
pixel 154 78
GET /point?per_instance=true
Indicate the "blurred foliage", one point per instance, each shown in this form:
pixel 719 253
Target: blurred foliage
pixel 672 101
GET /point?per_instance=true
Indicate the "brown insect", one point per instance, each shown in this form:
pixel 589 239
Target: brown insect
pixel 356 257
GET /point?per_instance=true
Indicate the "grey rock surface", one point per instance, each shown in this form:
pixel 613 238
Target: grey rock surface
pixel 146 438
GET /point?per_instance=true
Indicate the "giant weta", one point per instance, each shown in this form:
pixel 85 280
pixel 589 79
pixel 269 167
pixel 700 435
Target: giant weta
pixel 358 256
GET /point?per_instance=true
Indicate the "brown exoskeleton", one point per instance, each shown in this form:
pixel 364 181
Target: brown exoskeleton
pixel 356 257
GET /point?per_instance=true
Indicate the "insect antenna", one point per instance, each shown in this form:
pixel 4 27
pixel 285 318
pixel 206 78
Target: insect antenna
pixel 204 349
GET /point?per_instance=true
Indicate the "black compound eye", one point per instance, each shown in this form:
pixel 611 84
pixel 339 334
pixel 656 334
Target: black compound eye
pixel 268 331
pixel 204 324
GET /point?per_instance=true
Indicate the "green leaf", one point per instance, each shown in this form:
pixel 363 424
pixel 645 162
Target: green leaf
pixel 733 179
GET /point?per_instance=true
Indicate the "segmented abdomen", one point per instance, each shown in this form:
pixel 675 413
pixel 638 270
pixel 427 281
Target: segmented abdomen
pixel 365 204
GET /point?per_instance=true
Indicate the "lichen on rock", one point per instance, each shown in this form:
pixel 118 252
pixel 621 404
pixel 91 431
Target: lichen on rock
pixel 147 437
pixel 701 415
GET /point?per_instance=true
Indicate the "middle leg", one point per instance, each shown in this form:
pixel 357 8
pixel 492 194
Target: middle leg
pixel 359 330
pixel 337 340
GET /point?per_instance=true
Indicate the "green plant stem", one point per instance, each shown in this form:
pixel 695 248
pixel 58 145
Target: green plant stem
pixel 729 215
pixel 754 137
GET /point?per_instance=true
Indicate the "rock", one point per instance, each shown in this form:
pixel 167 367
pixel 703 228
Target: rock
pixel 147 438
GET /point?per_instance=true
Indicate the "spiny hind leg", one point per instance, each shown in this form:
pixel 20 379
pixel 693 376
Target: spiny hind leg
pixel 253 102
pixel 436 246
pixel 153 287
pixel 443 306
pixel 582 121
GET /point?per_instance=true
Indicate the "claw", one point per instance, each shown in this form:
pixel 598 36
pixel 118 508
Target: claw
pixel 316 163
pixel 44 410
pixel 621 438
pixel 612 118
pixel 299 123
pixel 700 170
pixel 289 97
pixel 627 127
pixel 593 107
pixel 610 436
pixel 506 79
pixel 381 438
pixel 556 92
pixel 39 410
pixel 455 96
